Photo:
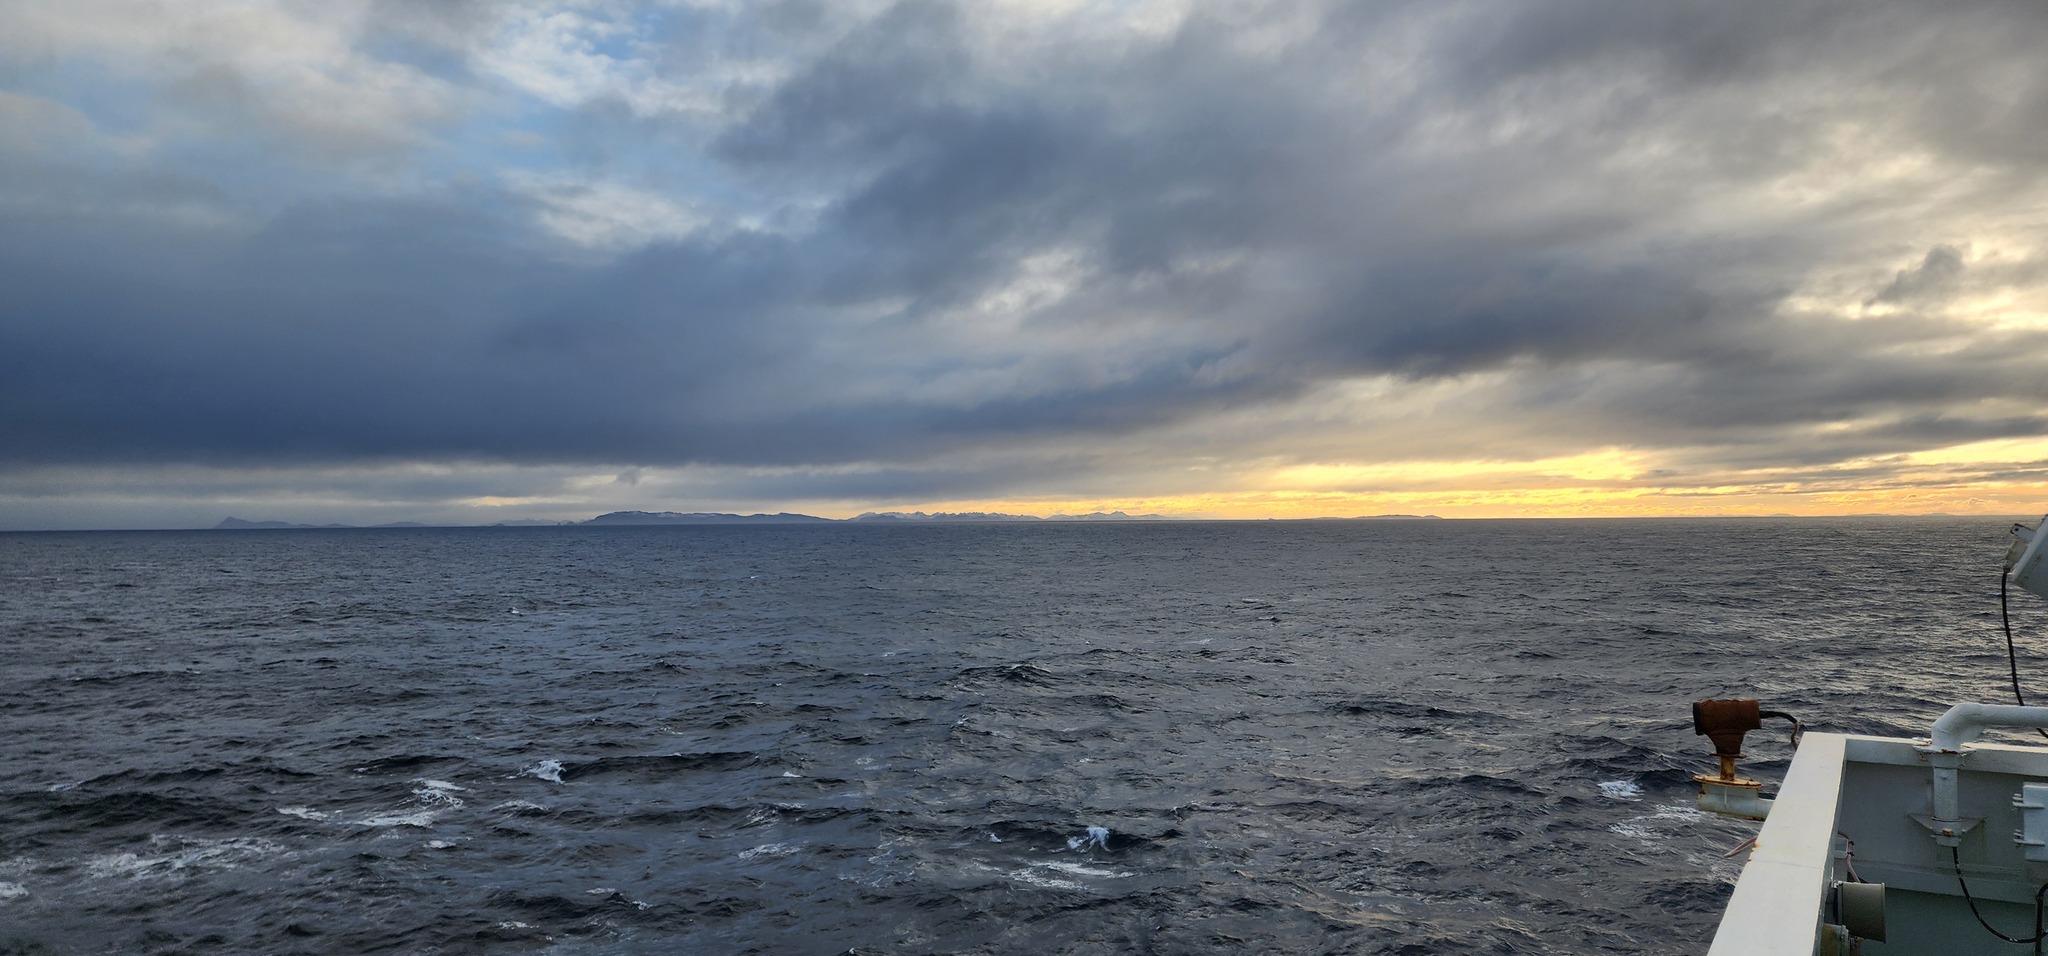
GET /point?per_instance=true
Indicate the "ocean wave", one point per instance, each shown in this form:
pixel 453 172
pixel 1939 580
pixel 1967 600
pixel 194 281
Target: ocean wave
pixel 166 857
pixel 417 770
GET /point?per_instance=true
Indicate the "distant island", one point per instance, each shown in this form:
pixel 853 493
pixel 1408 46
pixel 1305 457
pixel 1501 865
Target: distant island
pixel 699 517
pixel 996 516
pixel 237 524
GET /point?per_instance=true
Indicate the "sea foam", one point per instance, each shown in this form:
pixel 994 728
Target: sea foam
pixel 1620 789
pixel 1096 837
pixel 549 770
pixel 174 856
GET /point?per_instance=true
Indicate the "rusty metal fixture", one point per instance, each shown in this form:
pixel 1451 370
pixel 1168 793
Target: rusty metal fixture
pixel 1725 722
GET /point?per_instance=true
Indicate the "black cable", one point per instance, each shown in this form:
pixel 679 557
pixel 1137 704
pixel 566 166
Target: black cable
pixel 2012 660
pixel 2039 935
pixel 2012 656
pixel 2039 897
pixel 1849 857
pixel 1798 729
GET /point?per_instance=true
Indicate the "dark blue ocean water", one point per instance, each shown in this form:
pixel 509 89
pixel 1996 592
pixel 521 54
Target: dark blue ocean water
pixel 1363 737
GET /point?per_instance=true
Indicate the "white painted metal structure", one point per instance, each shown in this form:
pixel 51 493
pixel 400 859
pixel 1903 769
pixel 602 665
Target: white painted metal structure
pixel 1878 793
pixel 1777 904
pixel 1920 816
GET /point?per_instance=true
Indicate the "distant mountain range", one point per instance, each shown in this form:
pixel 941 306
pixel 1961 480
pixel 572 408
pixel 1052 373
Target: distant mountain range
pixel 997 516
pixel 699 517
pixel 237 524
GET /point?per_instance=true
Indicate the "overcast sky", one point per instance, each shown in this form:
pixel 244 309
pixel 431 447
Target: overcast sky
pixel 382 260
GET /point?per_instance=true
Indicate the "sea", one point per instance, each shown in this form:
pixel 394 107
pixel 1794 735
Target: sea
pixel 1396 736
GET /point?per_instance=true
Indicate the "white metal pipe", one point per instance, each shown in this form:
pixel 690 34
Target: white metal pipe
pixel 1960 725
pixel 1964 722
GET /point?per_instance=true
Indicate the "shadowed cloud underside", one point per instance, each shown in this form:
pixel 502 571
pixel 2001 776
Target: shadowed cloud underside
pixel 467 262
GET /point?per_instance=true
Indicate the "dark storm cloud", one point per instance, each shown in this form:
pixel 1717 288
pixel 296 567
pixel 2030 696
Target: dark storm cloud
pixel 1936 277
pixel 1459 313
pixel 1529 191
pixel 412 330
pixel 1955 76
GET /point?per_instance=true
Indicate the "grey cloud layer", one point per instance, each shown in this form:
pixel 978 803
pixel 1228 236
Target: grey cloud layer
pixel 1255 203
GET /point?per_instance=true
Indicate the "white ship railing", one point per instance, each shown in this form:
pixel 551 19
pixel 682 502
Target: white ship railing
pixel 1777 906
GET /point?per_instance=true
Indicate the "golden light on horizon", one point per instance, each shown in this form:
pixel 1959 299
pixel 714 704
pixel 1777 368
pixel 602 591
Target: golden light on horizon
pixel 1961 479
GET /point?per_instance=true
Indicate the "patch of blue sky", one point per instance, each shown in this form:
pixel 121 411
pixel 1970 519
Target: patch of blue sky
pixel 116 105
pixel 692 31
pixel 522 140
pixel 511 131
pixel 621 39
pixel 432 59
pixel 144 127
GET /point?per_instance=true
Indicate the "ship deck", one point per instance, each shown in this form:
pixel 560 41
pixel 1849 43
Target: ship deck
pixel 1859 802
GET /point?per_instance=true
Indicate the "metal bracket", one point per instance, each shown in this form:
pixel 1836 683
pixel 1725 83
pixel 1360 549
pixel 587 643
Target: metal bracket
pixel 1949 834
pixel 2032 837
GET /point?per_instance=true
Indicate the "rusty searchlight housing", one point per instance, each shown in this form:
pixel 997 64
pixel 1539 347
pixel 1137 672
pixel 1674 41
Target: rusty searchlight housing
pixel 1726 722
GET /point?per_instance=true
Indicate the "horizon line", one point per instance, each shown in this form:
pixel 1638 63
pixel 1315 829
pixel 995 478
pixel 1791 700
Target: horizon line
pixel 900 518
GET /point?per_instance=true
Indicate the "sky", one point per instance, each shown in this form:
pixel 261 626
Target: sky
pixel 367 261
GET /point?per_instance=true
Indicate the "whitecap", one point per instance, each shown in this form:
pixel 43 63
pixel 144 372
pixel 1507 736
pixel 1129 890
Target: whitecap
pixel 1636 831
pixel 1648 827
pixel 549 770
pixel 1620 789
pixel 12 891
pixel 1097 837
pixel 1079 869
pixel 770 850
pixel 174 856
pixel 304 813
pixel 439 797
pixel 439 793
pixel 1046 882
pixel 424 818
